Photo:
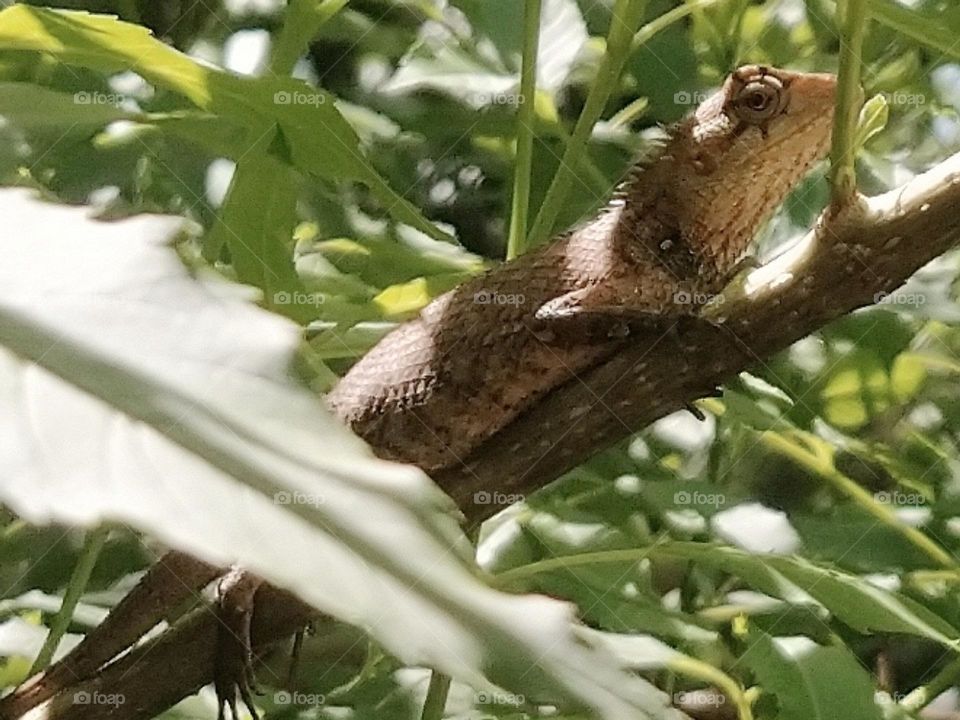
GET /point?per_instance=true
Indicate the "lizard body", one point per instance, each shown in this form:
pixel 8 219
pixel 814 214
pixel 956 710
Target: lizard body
pixel 481 355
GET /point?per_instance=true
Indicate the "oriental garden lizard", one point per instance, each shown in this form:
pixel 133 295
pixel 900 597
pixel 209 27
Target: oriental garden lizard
pixel 485 353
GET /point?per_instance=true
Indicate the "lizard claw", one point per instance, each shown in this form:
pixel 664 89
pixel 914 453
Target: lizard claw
pixel 233 674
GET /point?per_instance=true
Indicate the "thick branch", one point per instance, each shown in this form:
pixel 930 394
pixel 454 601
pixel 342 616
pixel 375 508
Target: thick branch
pixel 869 248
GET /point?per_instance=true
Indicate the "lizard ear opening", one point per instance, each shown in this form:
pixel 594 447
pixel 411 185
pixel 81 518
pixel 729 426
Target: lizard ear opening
pixel 760 100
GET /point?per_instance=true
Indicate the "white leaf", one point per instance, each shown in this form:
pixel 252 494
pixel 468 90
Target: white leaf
pixel 131 392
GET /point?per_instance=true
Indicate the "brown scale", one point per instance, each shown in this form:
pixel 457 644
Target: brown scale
pixel 441 384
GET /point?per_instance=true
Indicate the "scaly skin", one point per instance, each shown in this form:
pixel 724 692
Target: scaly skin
pixel 439 386
pixel 480 355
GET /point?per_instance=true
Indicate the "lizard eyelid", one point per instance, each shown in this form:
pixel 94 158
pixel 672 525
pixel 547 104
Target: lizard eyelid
pixel 759 100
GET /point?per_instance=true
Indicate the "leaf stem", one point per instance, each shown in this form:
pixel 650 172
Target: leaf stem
pixel 623 24
pixel 526 119
pixel 852 21
pixel 699 670
pixel 824 468
pixel 92 545
pixel 301 22
pixel 926 694
pixel 436 700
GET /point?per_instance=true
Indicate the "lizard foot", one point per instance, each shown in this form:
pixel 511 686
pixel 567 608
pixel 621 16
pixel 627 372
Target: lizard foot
pixel 233 674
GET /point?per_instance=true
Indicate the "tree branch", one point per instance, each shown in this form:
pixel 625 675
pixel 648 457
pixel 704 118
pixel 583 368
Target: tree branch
pixel 870 247
pixel 867 248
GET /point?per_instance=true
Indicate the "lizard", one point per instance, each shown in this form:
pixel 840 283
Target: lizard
pixel 437 387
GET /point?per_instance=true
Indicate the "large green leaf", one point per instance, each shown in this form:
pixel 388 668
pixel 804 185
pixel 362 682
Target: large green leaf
pixel 31 106
pixel 853 600
pixel 321 141
pixel 129 391
pixel 811 682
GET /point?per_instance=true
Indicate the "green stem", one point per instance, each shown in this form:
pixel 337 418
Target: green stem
pixel 93 544
pixel 699 670
pixel 852 21
pixel 926 694
pixel 300 24
pixel 508 578
pixel 436 699
pixel 526 118
pixel 626 17
pixel 825 469
pixel 667 19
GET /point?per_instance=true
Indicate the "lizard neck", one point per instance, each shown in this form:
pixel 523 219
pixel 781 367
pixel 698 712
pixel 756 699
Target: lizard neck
pixel 697 205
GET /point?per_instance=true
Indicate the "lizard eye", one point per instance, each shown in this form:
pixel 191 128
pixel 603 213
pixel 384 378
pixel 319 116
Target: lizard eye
pixel 759 101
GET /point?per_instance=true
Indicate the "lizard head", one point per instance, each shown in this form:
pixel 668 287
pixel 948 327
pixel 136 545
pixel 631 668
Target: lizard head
pixel 766 110
pixel 745 148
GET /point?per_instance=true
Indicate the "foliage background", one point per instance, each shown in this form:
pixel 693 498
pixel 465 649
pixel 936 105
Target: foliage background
pixel 842 450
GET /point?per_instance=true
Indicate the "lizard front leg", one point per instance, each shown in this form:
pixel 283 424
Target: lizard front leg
pixel 234 663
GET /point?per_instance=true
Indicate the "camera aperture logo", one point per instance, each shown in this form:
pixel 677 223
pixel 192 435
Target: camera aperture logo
pixel 900 298
pixel 86 697
pixel 695 499
pixel 493 297
pixel 92 97
pixel 484 697
pixel 282 297
pixel 685 97
pixel 685 297
pixel 296 97
pixel 484 497
pixel 897 498
pixel 296 497
pixel 300 699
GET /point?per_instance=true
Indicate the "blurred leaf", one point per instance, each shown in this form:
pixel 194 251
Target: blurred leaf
pixel 256 224
pixel 141 375
pixel 937 31
pixel 30 106
pixel 321 141
pixel 873 119
pixel 440 63
pixel 811 681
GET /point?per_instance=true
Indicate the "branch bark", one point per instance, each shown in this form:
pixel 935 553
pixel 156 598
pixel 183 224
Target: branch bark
pixel 854 254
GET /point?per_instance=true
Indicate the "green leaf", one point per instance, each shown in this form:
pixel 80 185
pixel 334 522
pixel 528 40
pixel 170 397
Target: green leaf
pixel 873 119
pixel 321 141
pixel 854 601
pixel 810 681
pixel 30 106
pixel 131 392
pixel 256 224
pixel 938 30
